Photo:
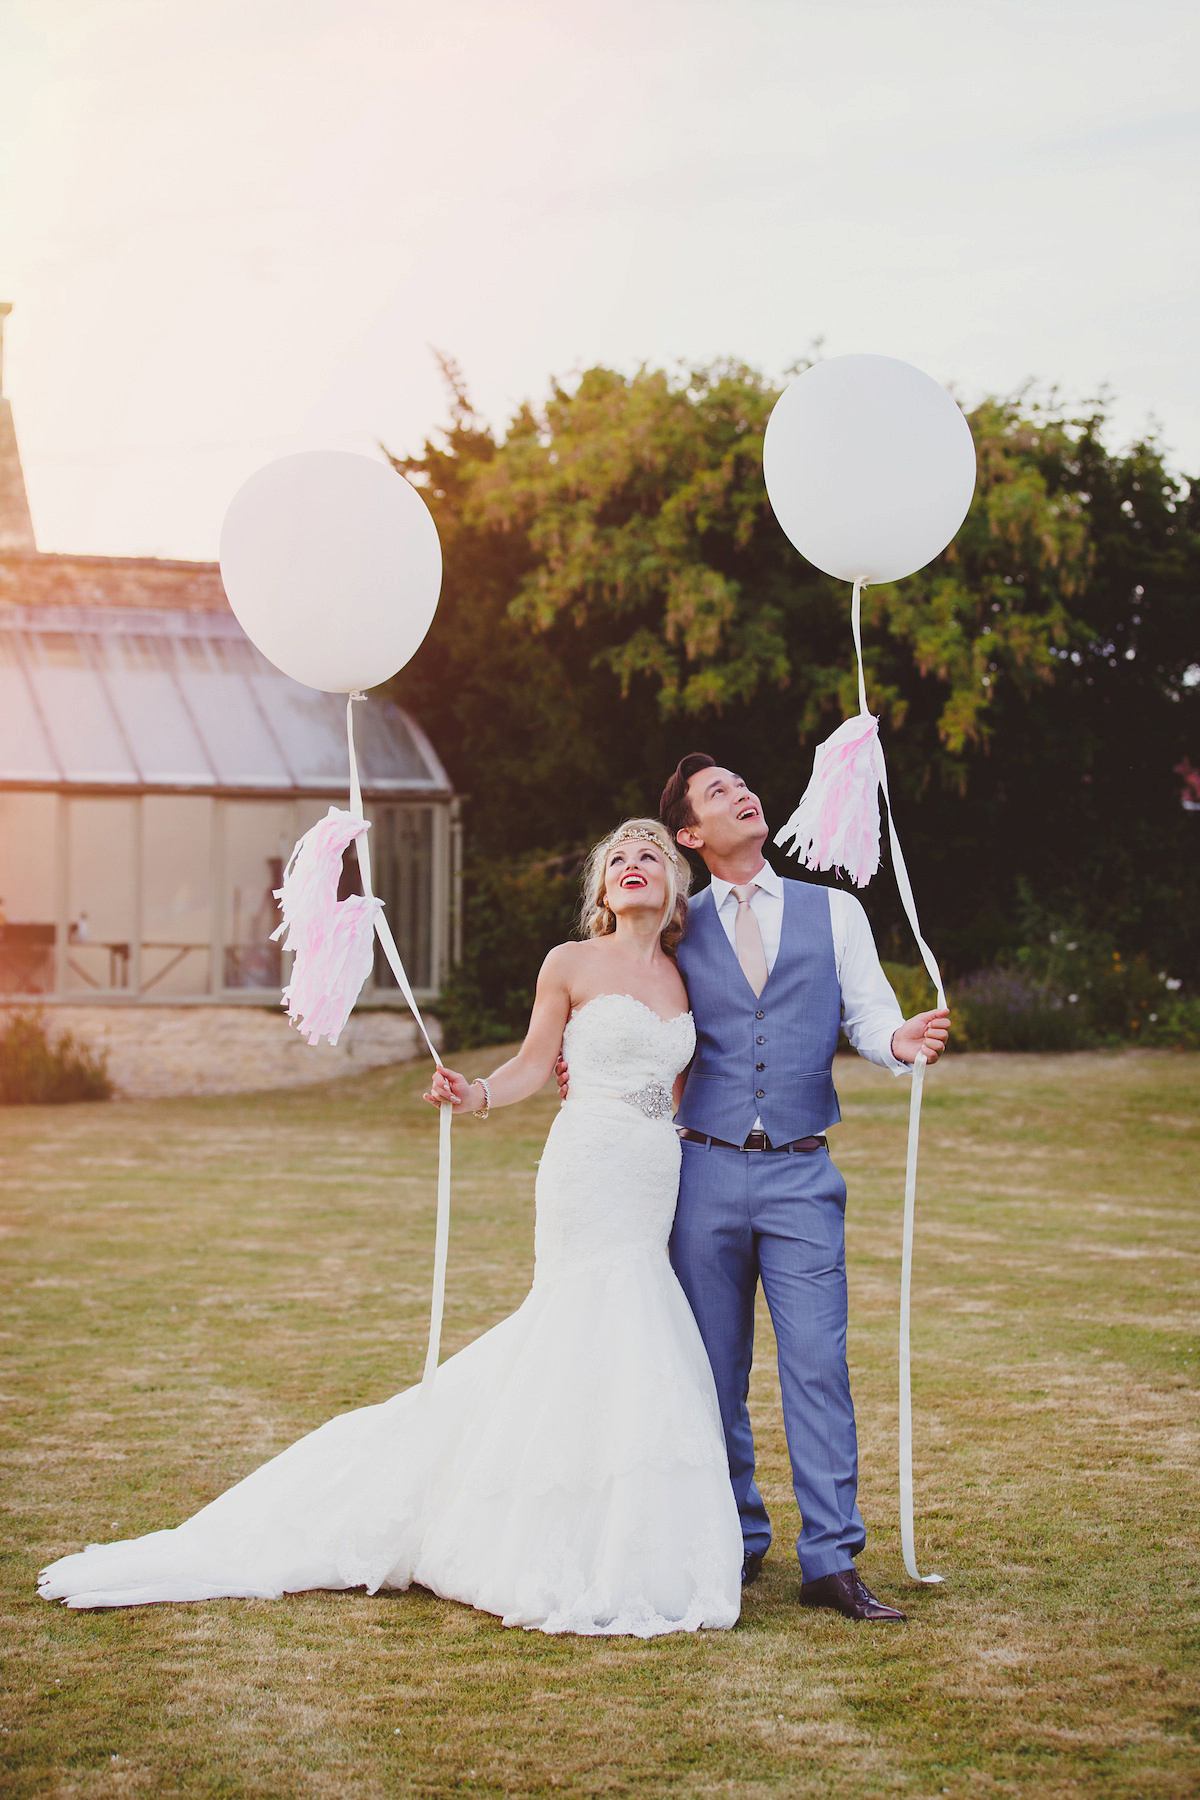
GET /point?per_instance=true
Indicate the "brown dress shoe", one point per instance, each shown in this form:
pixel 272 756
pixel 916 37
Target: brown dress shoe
pixel 848 1594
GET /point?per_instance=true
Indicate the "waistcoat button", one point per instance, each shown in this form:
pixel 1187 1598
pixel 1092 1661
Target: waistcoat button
pixel 760 1015
pixel 760 1040
pixel 760 1093
pixel 760 1066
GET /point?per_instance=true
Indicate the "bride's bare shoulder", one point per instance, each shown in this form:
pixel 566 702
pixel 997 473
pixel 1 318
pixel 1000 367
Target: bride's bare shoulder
pixel 574 966
pixel 565 962
pixel 566 959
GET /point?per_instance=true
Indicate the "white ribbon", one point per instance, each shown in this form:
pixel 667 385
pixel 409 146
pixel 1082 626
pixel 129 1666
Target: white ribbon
pixel 445 1113
pixel 907 1533
pixel 856 628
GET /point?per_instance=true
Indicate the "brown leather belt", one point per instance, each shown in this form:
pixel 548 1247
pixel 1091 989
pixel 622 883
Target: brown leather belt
pixel 758 1140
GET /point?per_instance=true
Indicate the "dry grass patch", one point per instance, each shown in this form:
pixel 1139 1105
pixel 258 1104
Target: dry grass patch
pixel 193 1284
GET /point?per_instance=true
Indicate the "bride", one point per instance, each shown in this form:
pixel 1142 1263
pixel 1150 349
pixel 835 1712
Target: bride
pixel 567 1470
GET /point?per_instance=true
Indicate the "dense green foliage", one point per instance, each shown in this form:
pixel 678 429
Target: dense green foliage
pixel 37 1069
pixel 618 592
pixel 1065 988
pixel 514 911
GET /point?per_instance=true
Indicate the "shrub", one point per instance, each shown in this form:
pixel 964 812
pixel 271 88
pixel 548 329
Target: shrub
pixel 1006 1009
pixel 513 913
pixel 1120 999
pixel 911 986
pixel 37 1070
pixel 1115 994
pixel 1174 1021
pixel 1062 993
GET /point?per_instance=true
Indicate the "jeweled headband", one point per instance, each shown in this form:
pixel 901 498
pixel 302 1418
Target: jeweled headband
pixel 647 837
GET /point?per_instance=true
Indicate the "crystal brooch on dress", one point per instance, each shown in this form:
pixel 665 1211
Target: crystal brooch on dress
pixel 654 1100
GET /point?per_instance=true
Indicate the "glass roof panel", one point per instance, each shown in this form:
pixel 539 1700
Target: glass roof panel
pixel 137 673
pixel 310 725
pixel 389 752
pixel 171 699
pixel 71 698
pixel 25 754
pixel 240 747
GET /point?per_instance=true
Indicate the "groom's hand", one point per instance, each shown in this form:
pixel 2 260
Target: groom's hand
pixel 562 1075
pixel 924 1033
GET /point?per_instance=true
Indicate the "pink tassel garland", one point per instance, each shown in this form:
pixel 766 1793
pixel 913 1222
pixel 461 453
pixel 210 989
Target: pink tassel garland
pixel 836 825
pixel 332 940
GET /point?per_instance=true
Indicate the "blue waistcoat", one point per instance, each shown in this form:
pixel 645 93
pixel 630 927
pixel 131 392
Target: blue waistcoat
pixel 768 1056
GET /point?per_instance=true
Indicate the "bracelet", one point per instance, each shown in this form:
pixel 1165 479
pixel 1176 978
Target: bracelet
pixel 485 1109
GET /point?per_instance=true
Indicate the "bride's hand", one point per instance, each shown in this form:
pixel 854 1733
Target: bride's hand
pixel 448 1086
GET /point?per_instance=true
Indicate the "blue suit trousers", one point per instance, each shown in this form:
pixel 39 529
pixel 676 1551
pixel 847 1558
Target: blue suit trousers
pixel 777 1217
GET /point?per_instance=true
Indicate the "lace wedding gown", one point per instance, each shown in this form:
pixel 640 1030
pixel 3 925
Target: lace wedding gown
pixel 567 1471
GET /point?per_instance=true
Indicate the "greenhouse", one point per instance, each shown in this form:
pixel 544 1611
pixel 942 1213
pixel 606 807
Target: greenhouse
pixel 155 772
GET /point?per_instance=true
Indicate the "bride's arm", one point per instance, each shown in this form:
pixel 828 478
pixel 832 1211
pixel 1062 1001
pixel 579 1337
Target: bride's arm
pixel 527 1071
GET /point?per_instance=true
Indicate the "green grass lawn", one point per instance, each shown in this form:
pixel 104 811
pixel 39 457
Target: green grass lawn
pixel 190 1285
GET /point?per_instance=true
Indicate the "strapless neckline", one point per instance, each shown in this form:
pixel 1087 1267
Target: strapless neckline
pixel 633 1001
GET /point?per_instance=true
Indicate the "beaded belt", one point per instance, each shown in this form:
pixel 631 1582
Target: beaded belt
pixel 655 1100
pixel 758 1140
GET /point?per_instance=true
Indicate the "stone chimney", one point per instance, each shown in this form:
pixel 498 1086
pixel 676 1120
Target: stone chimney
pixel 16 526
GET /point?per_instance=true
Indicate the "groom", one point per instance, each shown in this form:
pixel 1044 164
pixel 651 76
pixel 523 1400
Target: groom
pixel 773 968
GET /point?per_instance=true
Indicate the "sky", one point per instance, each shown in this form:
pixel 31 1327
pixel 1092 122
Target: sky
pixel 234 229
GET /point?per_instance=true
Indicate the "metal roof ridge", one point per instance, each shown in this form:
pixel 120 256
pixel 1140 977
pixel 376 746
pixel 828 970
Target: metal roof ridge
pixel 94 559
pixel 145 621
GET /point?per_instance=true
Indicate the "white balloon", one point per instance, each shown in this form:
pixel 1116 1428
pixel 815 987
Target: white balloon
pixel 332 564
pixel 869 466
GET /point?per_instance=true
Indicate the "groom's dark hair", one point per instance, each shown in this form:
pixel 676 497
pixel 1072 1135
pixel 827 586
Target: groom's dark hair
pixel 674 808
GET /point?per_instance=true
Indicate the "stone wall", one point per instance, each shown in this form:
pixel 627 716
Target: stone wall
pixel 154 1051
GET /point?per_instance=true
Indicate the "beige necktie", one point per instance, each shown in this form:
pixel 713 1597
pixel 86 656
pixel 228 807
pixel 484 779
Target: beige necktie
pixel 747 938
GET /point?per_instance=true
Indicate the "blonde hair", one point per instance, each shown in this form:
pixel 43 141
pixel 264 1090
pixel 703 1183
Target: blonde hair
pixel 596 917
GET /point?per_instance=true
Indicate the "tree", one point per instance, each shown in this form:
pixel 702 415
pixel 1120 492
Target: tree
pixel 617 592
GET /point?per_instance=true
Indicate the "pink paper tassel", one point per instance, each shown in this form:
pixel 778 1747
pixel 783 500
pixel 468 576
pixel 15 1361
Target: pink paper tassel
pixel 332 940
pixel 836 825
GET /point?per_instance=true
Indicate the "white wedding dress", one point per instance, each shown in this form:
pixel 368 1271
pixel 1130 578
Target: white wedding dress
pixel 566 1471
